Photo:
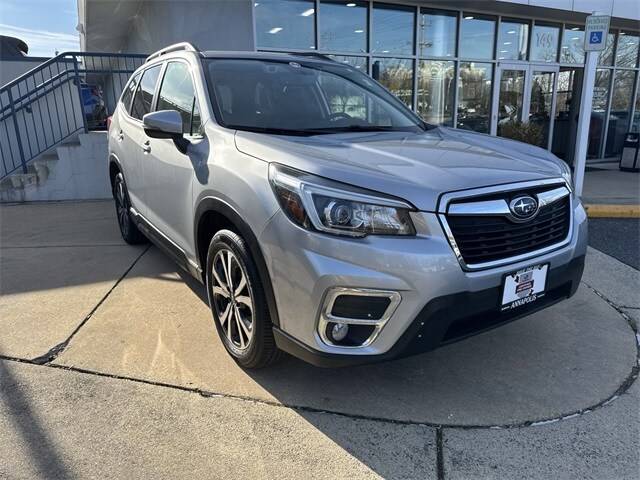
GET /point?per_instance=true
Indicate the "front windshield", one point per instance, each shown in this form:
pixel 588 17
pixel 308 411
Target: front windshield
pixel 299 98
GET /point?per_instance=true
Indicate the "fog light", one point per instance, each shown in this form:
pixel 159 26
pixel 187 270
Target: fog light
pixel 339 331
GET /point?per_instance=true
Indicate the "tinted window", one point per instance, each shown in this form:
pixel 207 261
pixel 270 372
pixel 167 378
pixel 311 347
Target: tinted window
pixel 356 62
pixel 397 75
pixel 177 93
pixel 343 26
pixel 605 57
pixel 129 91
pixel 474 96
pixel 627 52
pixel 544 43
pixel 436 91
pixel 144 95
pixel 476 36
pixel 437 35
pixel 512 43
pixel 572 45
pixel 392 29
pixel 285 24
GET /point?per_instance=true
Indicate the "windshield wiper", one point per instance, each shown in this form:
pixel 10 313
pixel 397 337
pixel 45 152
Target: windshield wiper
pixel 278 131
pixel 360 128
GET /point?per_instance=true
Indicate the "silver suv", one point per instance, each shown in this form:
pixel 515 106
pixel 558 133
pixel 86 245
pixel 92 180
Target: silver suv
pixel 326 219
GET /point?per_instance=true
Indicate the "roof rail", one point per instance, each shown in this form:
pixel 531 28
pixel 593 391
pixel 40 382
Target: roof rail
pixel 321 56
pixel 185 46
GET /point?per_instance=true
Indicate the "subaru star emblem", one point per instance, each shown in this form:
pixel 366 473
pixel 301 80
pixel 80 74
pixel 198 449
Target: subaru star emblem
pixel 523 208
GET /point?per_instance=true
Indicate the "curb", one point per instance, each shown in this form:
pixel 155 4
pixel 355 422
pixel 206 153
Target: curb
pixel 612 211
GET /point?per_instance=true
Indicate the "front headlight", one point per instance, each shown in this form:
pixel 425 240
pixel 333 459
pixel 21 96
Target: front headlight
pixel 317 203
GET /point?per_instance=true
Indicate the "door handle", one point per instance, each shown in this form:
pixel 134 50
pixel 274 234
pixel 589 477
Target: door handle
pixel 146 148
pixel 120 136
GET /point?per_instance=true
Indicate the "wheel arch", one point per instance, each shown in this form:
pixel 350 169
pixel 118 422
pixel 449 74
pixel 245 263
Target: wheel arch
pixel 114 168
pixel 213 214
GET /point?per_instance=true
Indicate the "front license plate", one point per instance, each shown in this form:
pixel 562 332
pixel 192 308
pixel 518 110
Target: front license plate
pixel 524 286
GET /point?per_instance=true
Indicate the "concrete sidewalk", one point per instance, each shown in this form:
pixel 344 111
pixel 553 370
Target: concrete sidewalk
pixel 110 367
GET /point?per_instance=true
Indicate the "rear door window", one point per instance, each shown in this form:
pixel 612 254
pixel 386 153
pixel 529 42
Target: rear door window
pixel 129 90
pixel 144 94
pixel 177 93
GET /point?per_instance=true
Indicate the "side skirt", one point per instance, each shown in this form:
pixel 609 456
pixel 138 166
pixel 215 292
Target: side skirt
pixel 166 245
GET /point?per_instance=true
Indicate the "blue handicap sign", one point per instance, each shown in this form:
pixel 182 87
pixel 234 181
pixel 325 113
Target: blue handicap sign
pixel 595 38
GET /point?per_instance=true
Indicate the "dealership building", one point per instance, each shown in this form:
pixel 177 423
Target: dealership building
pixel 468 64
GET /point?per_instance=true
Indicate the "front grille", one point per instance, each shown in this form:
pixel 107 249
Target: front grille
pixel 482 239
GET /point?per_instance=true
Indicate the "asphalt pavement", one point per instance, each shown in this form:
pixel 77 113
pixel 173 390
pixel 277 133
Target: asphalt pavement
pixel 617 237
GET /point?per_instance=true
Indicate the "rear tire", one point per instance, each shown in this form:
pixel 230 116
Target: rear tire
pixel 128 228
pixel 237 301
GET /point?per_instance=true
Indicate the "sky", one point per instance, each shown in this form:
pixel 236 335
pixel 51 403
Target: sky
pixel 46 26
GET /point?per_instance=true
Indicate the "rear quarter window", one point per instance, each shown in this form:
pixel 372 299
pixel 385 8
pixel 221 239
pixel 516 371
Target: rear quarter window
pixel 129 90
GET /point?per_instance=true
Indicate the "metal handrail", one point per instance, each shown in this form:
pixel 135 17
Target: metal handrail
pixel 46 105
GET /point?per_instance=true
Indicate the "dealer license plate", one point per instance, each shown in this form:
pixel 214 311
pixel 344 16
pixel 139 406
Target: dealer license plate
pixel 524 286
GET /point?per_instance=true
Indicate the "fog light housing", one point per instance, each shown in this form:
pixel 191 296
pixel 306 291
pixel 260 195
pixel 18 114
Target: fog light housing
pixel 353 317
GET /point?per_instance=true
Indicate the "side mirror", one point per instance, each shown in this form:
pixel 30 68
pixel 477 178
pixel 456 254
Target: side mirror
pixel 163 124
pixel 166 124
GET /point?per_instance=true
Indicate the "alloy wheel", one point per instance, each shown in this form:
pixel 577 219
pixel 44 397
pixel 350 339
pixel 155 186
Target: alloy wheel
pixel 122 207
pixel 232 299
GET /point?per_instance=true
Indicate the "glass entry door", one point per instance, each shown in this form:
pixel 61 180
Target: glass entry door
pixel 509 99
pixel 542 104
pixel 524 93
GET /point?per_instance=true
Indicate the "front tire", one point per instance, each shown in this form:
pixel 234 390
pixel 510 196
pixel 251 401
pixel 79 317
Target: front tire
pixel 128 228
pixel 237 301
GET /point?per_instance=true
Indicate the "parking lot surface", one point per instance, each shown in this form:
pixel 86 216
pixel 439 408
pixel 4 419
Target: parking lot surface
pixel 110 366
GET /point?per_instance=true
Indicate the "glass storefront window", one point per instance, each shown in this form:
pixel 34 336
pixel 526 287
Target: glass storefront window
pixel 343 26
pixel 477 36
pixel 620 110
pixel 598 111
pixel 513 40
pixel 627 52
pixel 437 35
pixel 436 89
pixel 544 43
pixel 392 29
pixel 474 96
pixel 357 62
pixel 605 57
pixel 396 74
pixel 635 127
pixel 572 50
pixel 285 24
pixel 565 125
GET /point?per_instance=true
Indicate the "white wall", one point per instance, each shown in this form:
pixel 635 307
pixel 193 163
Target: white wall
pixel 218 24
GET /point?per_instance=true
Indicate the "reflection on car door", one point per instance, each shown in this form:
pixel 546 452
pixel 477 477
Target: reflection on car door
pixel 168 172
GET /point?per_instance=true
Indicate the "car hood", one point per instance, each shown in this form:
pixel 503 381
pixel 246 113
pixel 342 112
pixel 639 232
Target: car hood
pixel 417 167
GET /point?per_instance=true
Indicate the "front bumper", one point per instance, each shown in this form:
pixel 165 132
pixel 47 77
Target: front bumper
pixel 434 289
pixel 445 320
